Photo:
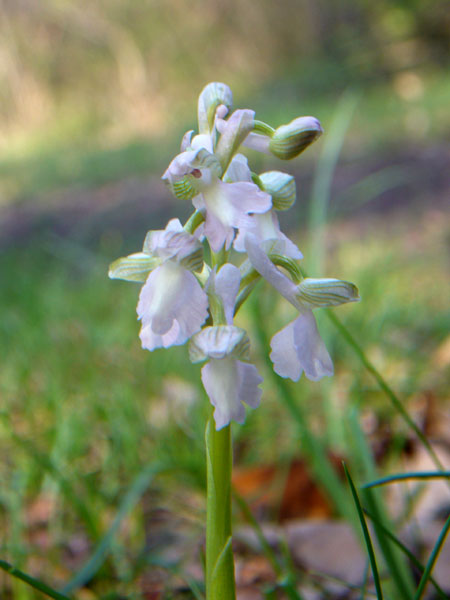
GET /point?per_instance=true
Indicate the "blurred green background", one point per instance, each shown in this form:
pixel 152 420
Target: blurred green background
pixel 94 98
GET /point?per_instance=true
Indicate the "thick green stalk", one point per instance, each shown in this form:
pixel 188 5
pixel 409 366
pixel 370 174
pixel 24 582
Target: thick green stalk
pixel 219 556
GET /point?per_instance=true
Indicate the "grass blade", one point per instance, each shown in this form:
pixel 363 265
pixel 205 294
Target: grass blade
pixel 407 552
pixel 383 385
pixel 130 499
pixel 33 582
pixel 47 465
pixel 393 559
pixel 324 472
pixel 288 587
pixel 326 166
pixel 370 551
pixel 432 560
pixel 406 476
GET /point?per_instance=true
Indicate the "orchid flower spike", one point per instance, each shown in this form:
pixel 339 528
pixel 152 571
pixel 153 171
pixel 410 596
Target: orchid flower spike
pixel 190 291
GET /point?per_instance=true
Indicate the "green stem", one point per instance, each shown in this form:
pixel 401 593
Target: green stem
pixel 219 555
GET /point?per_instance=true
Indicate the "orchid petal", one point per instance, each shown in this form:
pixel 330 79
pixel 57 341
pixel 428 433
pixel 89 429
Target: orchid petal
pixel 229 383
pixel 219 341
pixel 237 128
pixel 298 347
pixel 226 286
pixel 262 263
pixel 212 96
pixel 172 306
pixel 238 170
pixel 227 206
pixel 186 141
pixel 258 142
pixel 174 243
pixel 266 227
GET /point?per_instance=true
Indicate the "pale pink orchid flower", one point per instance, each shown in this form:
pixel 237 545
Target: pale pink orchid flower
pixel 229 381
pixel 263 226
pixel 298 347
pixel 226 205
pixel 172 304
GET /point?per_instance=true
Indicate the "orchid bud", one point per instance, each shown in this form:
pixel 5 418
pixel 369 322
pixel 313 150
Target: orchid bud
pixel 212 96
pixel 316 293
pixel 290 140
pixel 281 187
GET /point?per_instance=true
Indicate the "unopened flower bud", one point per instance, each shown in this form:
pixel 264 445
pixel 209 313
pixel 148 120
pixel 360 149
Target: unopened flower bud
pixel 212 96
pixel 290 140
pixel 281 187
pixel 316 293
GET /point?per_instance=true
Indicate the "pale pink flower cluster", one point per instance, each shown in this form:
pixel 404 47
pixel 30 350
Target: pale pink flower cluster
pixel 184 297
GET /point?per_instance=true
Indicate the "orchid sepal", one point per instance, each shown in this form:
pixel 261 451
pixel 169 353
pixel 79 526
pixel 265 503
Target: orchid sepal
pixel 229 384
pixel 234 132
pixel 135 267
pixel 219 341
pixel 183 189
pixel 211 97
pixel 298 348
pixel 189 170
pixel 174 243
pixel 194 261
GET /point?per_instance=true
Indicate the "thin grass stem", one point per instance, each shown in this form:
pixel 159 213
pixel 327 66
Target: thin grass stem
pixel 406 551
pixel 406 476
pixel 129 500
pixel 288 587
pixel 384 386
pixel 37 584
pixel 432 560
pixel 365 529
